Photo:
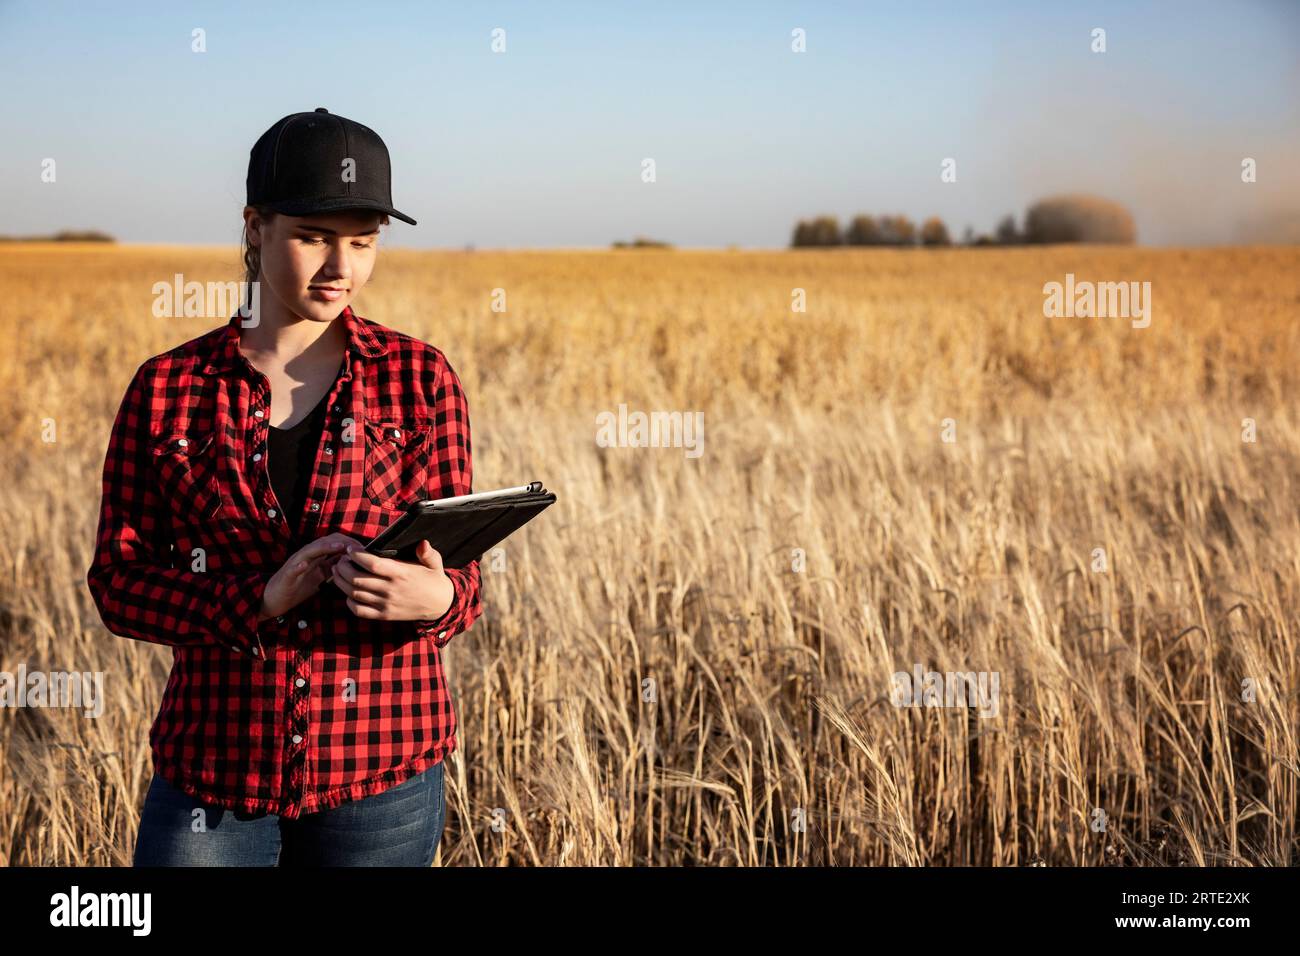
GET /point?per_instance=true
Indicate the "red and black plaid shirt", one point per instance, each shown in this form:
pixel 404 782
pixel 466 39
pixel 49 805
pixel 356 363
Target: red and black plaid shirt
pixel 307 711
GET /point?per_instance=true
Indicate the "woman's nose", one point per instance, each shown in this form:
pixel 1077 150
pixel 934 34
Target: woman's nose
pixel 337 263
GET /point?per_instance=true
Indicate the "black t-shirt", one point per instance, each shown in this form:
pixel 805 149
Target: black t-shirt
pixel 291 453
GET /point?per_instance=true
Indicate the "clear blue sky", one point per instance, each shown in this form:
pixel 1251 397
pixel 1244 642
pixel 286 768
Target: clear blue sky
pixel 541 146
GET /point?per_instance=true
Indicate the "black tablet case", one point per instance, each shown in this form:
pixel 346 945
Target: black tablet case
pixel 461 532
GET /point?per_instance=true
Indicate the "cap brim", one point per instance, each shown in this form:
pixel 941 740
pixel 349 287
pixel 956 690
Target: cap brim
pixel 308 207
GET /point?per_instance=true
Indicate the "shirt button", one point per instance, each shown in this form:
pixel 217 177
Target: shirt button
pixel 257 457
pixel 254 652
pixel 297 738
pixel 397 433
pixel 301 625
pixel 259 413
pixel 270 512
pixel 337 409
pixel 183 442
pixel 299 682
pixel 441 635
pixel 329 449
pixel 280 619
pixel 315 506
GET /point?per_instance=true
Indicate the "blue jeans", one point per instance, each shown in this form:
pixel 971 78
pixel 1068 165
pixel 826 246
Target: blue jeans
pixel 399 827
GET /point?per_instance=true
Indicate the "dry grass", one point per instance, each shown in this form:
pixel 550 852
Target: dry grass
pixel 1120 691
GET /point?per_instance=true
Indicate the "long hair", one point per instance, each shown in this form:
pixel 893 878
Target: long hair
pixel 252 256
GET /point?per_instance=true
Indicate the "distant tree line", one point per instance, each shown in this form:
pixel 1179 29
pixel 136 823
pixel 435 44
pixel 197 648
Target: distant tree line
pixel 641 242
pixel 67 235
pixel 1056 219
pixel 870 231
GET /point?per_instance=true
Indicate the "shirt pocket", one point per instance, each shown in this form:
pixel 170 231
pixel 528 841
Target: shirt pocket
pixel 397 462
pixel 186 467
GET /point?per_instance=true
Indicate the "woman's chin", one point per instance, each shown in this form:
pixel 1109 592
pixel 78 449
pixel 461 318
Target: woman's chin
pixel 319 309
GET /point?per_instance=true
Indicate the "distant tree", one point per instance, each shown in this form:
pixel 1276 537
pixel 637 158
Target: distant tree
pixel 863 231
pixel 968 236
pixel 826 231
pixel 82 235
pixel 641 242
pixel 820 231
pixel 897 231
pixel 1078 219
pixel 1007 233
pixel 66 235
pixel 934 233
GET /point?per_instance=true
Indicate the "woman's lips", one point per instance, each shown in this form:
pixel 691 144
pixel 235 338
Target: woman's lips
pixel 329 295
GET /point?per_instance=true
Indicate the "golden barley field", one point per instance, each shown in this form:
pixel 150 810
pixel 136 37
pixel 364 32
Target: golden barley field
pixel 689 660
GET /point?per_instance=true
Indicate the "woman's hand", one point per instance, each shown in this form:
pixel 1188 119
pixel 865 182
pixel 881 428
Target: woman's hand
pixel 302 575
pixel 386 589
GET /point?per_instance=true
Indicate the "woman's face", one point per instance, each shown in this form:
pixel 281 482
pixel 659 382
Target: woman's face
pixel 315 265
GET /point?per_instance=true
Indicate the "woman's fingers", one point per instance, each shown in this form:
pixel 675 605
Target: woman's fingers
pixel 364 610
pixel 308 575
pixel 346 575
pixel 365 588
pixel 373 594
pixel 370 598
pixel 347 572
pixel 330 544
pixel 367 592
pixel 302 567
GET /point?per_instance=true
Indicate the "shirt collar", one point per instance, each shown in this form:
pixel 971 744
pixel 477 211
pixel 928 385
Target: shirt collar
pixel 361 340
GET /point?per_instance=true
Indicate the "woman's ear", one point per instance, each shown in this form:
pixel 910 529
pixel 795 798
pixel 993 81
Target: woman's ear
pixel 253 227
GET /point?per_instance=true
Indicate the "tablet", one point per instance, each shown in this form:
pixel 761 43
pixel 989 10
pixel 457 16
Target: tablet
pixel 463 527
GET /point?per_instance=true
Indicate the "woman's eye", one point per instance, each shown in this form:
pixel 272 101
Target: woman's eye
pixel 307 240
pixel 363 245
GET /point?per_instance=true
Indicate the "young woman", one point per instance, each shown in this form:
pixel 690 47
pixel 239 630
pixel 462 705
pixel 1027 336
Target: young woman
pixel 306 719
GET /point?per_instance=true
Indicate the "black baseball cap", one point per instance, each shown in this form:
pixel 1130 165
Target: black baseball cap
pixel 299 167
